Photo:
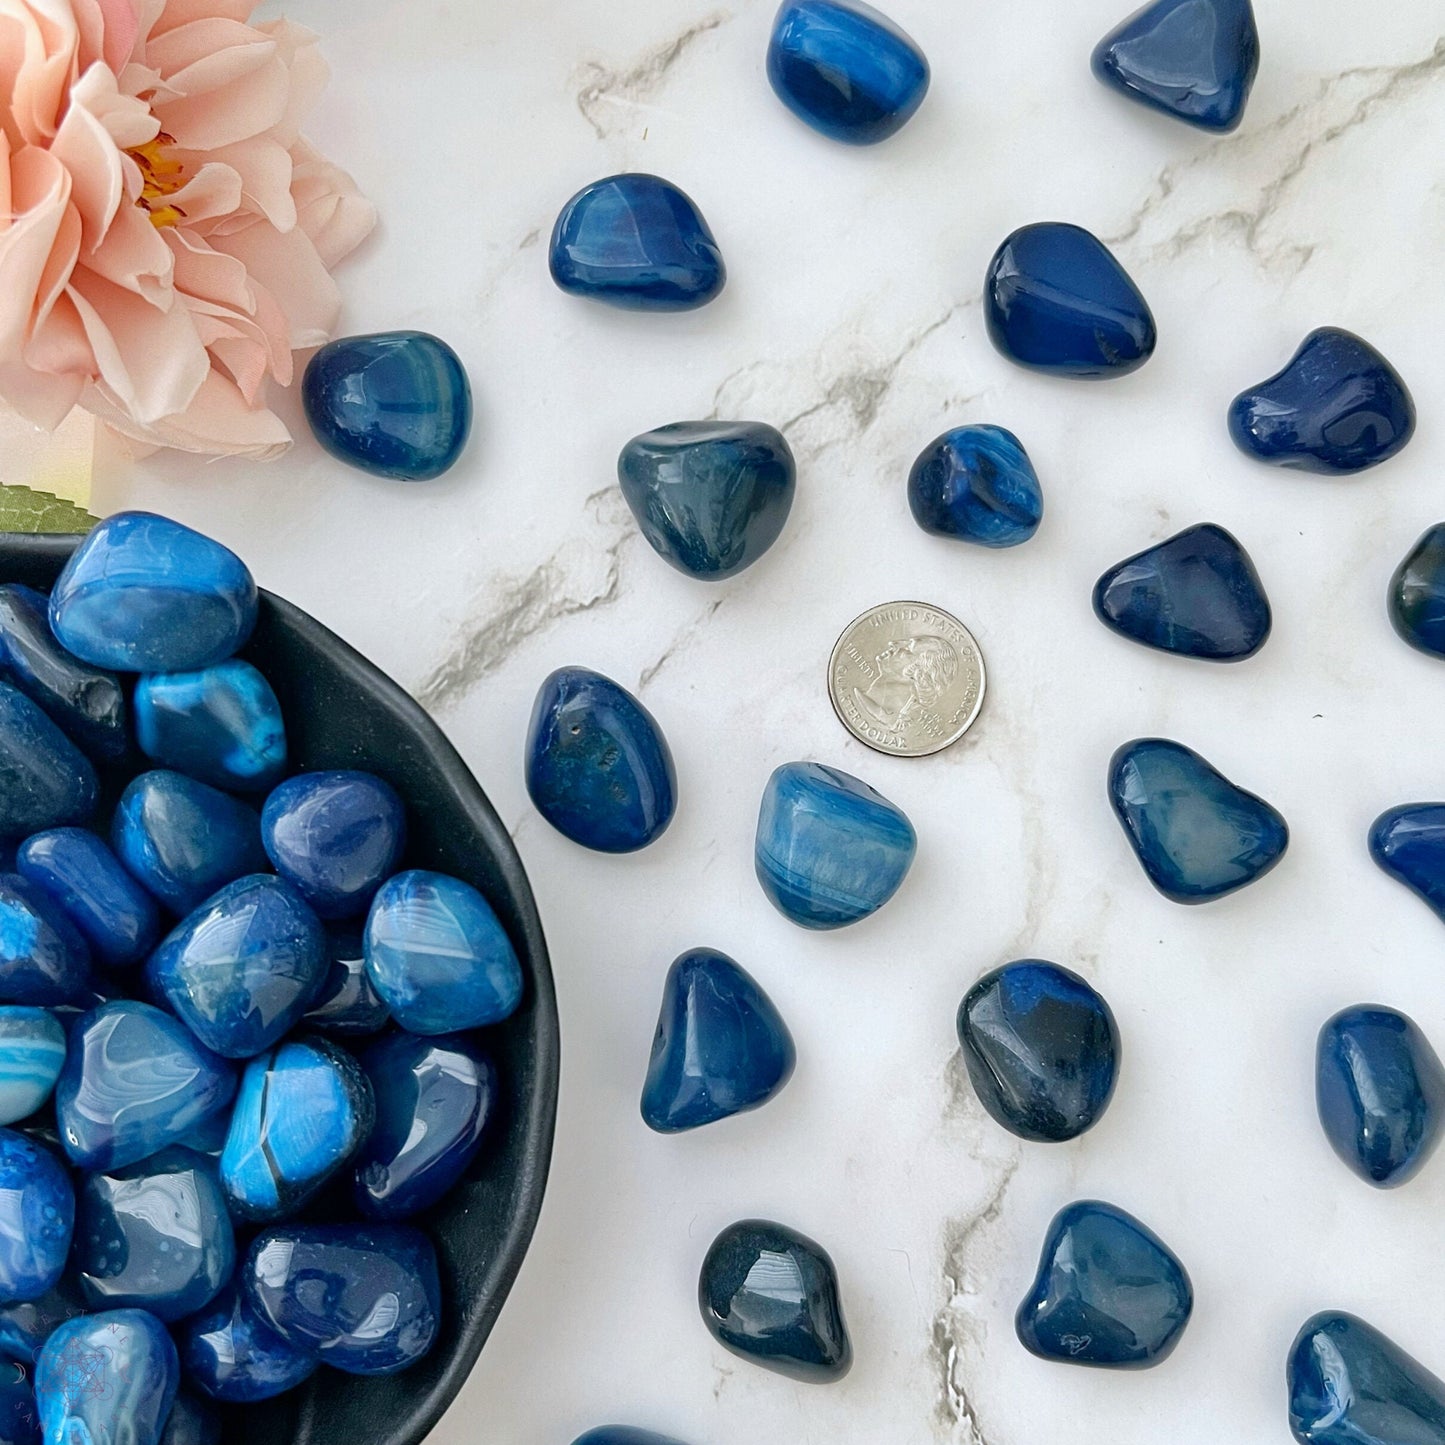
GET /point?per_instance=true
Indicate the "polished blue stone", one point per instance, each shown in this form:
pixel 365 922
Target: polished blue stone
pixel 623 1435
pixel 598 767
pixel 1041 1048
pixel 144 594
pixel 1196 593
pixel 1416 600
pixel 1336 408
pixel 435 1098
pixel 1350 1385
pixel 37 1213
pixel 1197 835
pixel 830 850
pixel 1192 59
pixel 1408 842
pixel 135 1079
pixel 1109 1292
pixel 244 967
pixel 233 1356
pixel 43 957
pixel 117 917
pixel 721 1046
pixel 155 1235
pixel 638 242
pixel 45 780
pixel 1380 1089
pixel 107 1379
pixel 438 955
pixel 19 1410
pixel 191 1422
pixel 301 1112
pixel 710 496
pixel 364 1297
pixel 25 1325
pixel 770 1295
pixel 347 1004
pixel 976 483
pixel 845 69
pixel 183 839
pixel 87 702
pixel 335 836
pixel 1056 300
pixel 397 404
pixel 32 1050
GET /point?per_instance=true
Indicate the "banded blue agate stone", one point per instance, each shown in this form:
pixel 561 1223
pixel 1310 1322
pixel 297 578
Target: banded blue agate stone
pixel 32 1050
pixel 830 850
pixel 1350 1385
pixel 184 840
pixel 43 958
pixel 301 1112
pixel 622 1435
pixel 397 404
pixel 118 919
pixel 86 702
pixel 598 767
pixel 709 496
pixel 1416 602
pixel 25 1325
pixel 1336 408
pixel 1109 1292
pixel 1196 594
pixel 845 69
pixel 191 1422
pixel 1408 842
pixel 231 1355
pixel 1041 1048
pixel 721 1046
pixel 38 1215
pixel 346 1003
pixel 435 1098
pixel 107 1379
pixel 1056 300
pixel 1193 59
pixel 1380 1090
pixel 19 1410
pixel 144 594
pixel 638 242
pixel 154 1235
pixel 45 780
pixel 365 1298
pixel 438 955
pixel 335 837
pixel 135 1079
pixel 1197 835
pixel 770 1295
pixel 976 484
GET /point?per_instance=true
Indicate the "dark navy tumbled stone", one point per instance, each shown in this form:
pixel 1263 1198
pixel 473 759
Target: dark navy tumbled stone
pixel 1041 1048
pixel 598 767
pixel 1192 59
pixel 32 1051
pixel 19 1409
pixel 44 959
pixel 1056 300
pixel 976 483
pixel 1416 601
pixel 144 594
pixel 623 1435
pixel 365 1298
pixel 1196 593
pixel 770 1295
pixel 347 1003
pixel 638 242
pixel 45 780
pixel 107 1379
pixel 1408 842
pixel 1196 834
pixel 397 404
pixel 1336 408
pixel 1109 1292
pixel 25 1325
pixel 231 1355
pixel 191 1422
pixel 721 1046
pixel 829 850
pixel 39 1213
pixel 1380 1090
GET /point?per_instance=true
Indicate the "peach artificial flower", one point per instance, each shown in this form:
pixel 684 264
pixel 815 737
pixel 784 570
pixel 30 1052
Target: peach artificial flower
pixel 166 236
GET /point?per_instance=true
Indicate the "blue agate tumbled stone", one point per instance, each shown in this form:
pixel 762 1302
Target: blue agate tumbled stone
pixel 1196 834
pixel 1380 1089
pixel 144 594
pixel 1192 59
pixel 1408 842
pixel 1196 594
pixel 1041 1048
pixel 43 957
pixel 19 1410
pixel 107 1379
pixel 1336 408
pixel 710 496
pixel 1350 1385
pixel 1109 1292
pixel 721 1046
pixel 364 1298
pixel 1056 300
pixel 397 404
pixel 39 1217
pixel 638 242
pixel 622 1435
pixel 32 1050
pixel 830 850
pixel 1416 600
pixel 234 1357
pixel 770 1295
pixel 45 780
pixel 347 1003
pixel 976 483
pixel 335 837
pixel 598 767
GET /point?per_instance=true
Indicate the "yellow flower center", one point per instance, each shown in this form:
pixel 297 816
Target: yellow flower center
pixel 161 176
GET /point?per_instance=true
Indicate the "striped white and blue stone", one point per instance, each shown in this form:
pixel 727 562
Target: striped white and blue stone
pixel 32 1050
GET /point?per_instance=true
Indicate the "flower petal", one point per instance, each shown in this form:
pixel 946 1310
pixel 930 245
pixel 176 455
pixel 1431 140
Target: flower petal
pixel 329 208
pixel 289 268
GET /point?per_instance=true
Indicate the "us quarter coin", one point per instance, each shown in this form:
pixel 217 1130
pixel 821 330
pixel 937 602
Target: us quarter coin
pixel 906 678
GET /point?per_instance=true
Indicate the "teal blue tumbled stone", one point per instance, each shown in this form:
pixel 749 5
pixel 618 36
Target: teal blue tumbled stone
pixel 107 1379
pixel 32 1049
pixel 45 780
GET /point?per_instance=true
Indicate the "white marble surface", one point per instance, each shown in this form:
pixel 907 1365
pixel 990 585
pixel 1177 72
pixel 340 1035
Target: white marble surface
pixel 851 318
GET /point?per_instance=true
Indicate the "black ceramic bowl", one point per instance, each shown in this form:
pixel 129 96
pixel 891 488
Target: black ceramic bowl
pixel 342 713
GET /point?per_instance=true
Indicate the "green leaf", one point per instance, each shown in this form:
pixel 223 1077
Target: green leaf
pixel 23 510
